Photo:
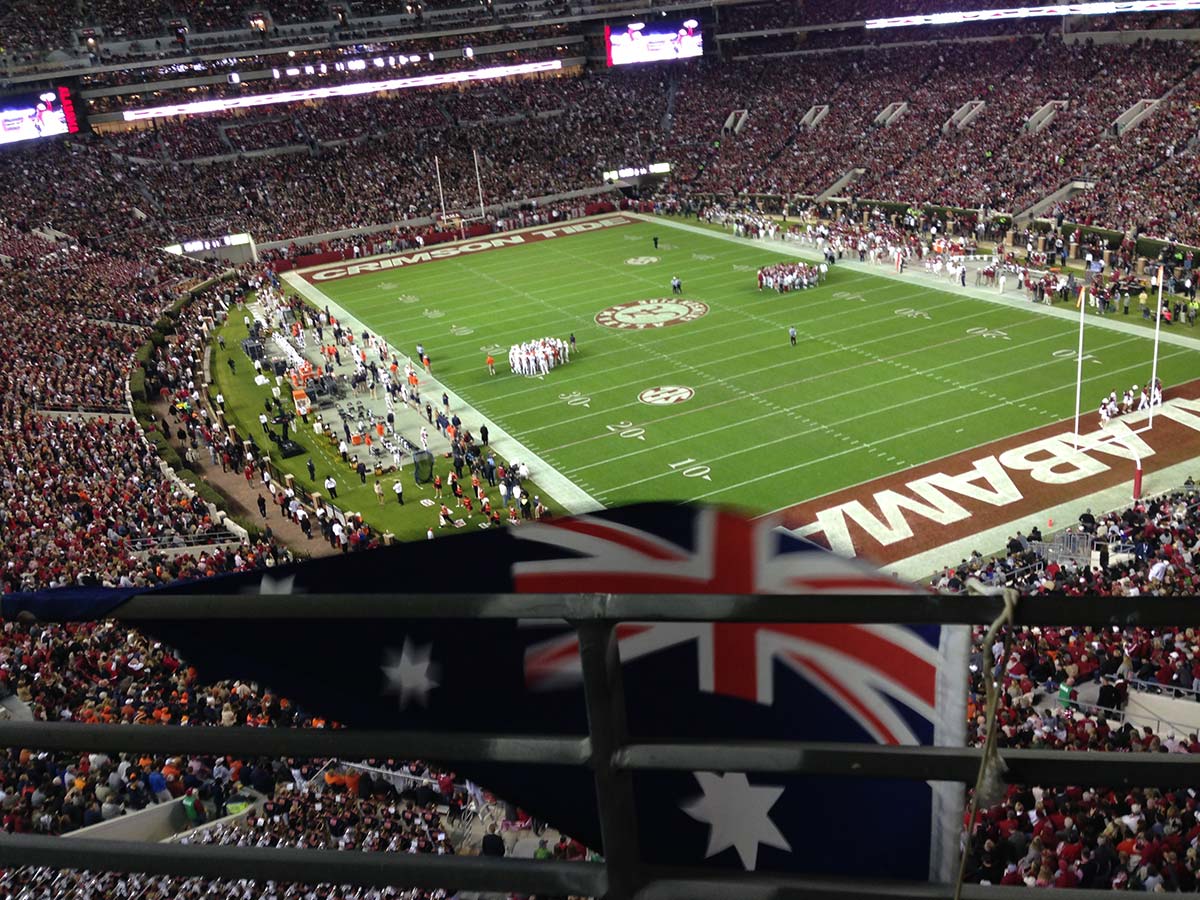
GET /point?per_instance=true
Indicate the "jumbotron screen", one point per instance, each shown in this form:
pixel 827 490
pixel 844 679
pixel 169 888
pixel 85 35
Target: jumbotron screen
pixel 37 114
pixel 638 42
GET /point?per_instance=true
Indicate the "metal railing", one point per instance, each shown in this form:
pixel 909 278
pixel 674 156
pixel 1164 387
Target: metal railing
pixel 607 750
pixel 1127 715
pixel 1154 687
pixel 183 541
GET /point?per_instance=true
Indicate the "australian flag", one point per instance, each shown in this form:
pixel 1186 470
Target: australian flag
pixel 888 684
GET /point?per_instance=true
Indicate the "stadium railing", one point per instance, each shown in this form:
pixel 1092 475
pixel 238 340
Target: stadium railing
pixel 606 750
pixel 1161 727
pixel 183 541
pixel 1173 690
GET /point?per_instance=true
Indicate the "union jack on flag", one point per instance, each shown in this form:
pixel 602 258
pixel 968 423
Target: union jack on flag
pixel 864 669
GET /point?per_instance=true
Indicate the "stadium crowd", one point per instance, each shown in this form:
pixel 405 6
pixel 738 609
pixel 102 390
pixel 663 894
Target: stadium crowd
pixel 1089 836
pixel 86 501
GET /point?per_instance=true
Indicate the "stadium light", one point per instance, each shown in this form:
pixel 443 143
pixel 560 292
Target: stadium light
pixel 1034 12
pixel 342 90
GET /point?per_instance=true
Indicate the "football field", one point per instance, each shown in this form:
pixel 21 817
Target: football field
pixel 700 396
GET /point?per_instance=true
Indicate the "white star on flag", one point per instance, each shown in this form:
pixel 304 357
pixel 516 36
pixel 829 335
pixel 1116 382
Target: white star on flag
pixel 738 814
pixel 411 675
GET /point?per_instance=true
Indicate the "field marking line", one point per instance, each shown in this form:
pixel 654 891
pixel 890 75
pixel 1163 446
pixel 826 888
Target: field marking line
pixel 832 427
pixel 742 422
pixel 820 338
pixel 836 349
pixel 896 436
pixel 568 379
pixel 871 359
pixel 386 322
pixel 570 496
pixel 370 298
pixel 588 318
pixel 1105 322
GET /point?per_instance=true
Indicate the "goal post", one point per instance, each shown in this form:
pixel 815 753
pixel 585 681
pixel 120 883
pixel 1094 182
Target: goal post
pixel 455 220
pixel 1084 292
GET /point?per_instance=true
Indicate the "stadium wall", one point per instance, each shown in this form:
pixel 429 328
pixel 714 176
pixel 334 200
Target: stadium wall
pixel 424 221
pixel 155 823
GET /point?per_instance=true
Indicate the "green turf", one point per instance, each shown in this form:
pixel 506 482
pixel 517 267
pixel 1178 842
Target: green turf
pixel 866 393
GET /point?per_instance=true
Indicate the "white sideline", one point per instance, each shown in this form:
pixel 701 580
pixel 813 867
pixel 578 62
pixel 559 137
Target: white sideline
pixel 989 540
pixel 569 495
pixel 1066 311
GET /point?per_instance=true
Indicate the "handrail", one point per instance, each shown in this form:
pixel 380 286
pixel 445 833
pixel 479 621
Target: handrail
pixel 1124 715
pixel 540 876
pixel 1153 687
pixel 607 751
pixel 195 602
pixel 183 541
pixel 914 763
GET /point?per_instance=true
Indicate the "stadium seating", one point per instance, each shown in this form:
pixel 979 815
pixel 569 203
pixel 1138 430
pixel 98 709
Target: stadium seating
pixel 86 500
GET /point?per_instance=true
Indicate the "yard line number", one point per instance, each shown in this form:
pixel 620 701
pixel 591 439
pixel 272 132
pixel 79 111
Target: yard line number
pixel 627 430
pixel 990 333
pixel 689 468
pixel 1072 354
pixel 576 399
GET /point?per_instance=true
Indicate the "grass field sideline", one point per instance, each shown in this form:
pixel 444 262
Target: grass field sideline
pixel 243 403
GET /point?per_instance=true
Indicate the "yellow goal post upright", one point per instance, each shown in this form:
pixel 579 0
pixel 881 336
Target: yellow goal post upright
pixel 456 221
pixel 1156 281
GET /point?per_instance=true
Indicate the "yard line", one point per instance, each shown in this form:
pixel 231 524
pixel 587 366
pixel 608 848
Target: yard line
pixel 891 437
pixel 837 348
pixel 568 379
pixel 381 324
pixel 1106 322
pixel 691 437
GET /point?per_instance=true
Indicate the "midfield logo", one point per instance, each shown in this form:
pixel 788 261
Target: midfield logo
pixel 656 313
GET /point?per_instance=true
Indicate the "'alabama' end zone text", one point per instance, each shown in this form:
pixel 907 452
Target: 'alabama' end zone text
pixel 910 512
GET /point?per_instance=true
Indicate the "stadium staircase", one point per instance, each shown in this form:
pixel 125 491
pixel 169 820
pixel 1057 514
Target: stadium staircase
pixel 1165 710
pixel 147 195
pixel 305 133
pixel 668 119
pixel 1066 192
pixel 441 108
pixel 224 138
pixel 841 183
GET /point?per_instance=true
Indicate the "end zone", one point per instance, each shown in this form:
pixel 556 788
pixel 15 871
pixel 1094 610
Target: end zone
pixel 964 495
pixel 452 249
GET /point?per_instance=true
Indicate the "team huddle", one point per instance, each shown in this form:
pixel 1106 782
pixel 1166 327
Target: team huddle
pixel 784 277
pixel 1133 400
pixel 538 357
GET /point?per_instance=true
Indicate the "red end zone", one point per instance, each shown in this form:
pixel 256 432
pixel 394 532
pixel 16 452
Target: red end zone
pixel 320 274
pixel 919 509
